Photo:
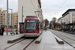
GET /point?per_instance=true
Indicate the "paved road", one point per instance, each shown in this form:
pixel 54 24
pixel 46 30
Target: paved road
pixel 69 38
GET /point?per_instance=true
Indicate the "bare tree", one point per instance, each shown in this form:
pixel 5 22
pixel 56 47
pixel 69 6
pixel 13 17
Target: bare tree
pixel 46 22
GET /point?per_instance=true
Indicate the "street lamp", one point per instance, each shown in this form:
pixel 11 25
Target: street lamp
pixel 38 13
pixel 22 13
pixel 7 17
pixel 13 23
pixel 11 19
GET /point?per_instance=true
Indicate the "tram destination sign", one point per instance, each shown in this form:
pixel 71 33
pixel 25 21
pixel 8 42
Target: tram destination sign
pixel 30 21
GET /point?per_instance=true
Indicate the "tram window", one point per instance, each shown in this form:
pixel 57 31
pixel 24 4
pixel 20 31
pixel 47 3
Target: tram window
pixel 31 25
pixel 38 26
pixel 38 22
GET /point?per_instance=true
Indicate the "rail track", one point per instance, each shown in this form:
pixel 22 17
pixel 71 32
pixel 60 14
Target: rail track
pixel 65 40
pixel 15 43
pixel 21 40
pixel 29 44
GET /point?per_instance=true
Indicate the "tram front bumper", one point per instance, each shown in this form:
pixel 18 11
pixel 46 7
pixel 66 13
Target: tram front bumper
pixel 31 34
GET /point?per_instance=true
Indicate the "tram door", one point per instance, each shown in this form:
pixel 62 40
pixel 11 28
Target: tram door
pixel 21 27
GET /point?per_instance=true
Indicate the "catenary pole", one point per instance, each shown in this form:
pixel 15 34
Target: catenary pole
pixel 22 13
pixel 7 17
pixel 11 20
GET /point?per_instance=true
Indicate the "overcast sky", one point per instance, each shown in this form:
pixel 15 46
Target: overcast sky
pixel 13 4
pixel 51 8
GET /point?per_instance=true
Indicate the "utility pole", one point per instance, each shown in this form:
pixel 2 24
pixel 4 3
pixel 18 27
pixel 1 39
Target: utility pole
pixel 11 20
pixel 13 24
pixel 22 13
pixel 7 17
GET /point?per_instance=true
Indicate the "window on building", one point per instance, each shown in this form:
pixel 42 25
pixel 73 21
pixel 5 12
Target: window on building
pixel 73 13
pixel 73 19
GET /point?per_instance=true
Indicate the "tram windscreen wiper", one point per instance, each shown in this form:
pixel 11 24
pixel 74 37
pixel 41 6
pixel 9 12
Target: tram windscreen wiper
pixel 32 27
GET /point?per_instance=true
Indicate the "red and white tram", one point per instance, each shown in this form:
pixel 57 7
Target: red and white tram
pixel 32 27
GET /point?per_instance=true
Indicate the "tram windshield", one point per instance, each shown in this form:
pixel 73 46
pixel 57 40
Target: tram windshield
pixel 31 25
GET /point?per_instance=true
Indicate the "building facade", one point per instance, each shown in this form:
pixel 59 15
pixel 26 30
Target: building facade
pixel 0 16
pixel 69 16
pixel 15 19
pixel 3 19
pixel 30 8
pixel 68 19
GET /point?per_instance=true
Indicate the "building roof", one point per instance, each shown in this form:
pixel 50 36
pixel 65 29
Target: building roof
pixel 60 18
pixel 67 12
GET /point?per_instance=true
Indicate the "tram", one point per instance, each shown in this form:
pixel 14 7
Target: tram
pixel 32 26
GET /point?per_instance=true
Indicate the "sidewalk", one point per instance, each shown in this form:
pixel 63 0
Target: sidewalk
pixel 9 36
pixel 5 38
pixel 5 33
